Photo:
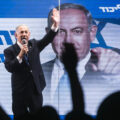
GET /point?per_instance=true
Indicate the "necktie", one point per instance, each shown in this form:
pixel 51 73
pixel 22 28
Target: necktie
pixel 63 95
pixel 26 59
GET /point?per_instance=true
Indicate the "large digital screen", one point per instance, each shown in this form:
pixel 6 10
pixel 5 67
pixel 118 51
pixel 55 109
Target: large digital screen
pixel 106 15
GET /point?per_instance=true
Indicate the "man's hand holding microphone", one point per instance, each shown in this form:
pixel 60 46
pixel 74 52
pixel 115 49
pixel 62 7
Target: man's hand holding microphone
pixel 24 48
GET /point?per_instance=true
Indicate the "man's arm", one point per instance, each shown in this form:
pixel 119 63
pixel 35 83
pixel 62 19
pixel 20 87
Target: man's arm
pixel 11 62
pixel 53 31
pixel 48 38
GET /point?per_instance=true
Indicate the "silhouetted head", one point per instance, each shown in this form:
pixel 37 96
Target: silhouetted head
pixel 47 113
pixel 110 108
pixel 77 115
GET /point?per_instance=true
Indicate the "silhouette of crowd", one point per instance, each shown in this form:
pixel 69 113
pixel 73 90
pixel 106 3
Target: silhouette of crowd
pixel 108 110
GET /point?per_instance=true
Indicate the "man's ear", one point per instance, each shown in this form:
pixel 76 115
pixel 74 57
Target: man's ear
pixel 29 34
pixel 93 32
pixel 46 29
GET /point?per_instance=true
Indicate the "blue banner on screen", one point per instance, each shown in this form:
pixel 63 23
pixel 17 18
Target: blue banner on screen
pixel 34 14
pixel 40 8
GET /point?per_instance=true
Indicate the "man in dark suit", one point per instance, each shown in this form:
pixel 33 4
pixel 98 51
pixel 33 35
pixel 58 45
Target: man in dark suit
pixel 95 69
pixel 22 60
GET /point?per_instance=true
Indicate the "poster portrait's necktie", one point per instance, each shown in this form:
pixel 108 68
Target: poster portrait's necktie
pixel 62 94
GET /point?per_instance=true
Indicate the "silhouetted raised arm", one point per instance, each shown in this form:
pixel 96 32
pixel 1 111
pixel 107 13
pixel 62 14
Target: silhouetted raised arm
pixel 69 59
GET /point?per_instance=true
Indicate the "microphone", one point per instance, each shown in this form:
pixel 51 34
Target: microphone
pixel 24 41
pixel 25 54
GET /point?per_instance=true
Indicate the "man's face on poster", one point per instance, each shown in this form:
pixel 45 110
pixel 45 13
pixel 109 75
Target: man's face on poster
pixel 74 29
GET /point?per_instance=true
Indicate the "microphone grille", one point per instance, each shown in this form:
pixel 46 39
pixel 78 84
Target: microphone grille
pixel 23 41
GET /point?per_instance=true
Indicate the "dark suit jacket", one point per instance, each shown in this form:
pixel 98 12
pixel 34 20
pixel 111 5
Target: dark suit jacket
pixel 20 71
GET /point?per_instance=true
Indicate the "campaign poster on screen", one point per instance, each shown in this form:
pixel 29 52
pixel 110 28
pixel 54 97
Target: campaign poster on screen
pixel 106 15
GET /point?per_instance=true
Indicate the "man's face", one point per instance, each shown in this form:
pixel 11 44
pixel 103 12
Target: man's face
pixel 73 29
pixel 22 32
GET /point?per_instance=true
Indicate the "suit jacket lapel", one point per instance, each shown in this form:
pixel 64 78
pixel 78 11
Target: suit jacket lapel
pixel 49 73
pixel 47 69
pixel 16 49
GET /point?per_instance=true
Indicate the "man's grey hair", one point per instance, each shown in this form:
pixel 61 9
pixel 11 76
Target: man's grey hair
pixel 20 26
pixel 72 6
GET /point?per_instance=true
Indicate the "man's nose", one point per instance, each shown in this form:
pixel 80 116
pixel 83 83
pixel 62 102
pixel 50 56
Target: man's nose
pixel 68 38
